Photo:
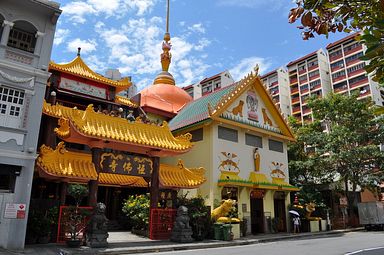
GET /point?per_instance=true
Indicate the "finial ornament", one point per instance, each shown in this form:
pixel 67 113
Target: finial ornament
pixel 256 69
pixel 166 55
pixel 78 51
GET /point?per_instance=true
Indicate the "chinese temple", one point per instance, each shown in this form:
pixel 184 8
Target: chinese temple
pixel 91 135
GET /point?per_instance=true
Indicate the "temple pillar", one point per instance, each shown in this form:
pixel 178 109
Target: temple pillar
pixel 94 184
pixel 63 192
pixel 155 182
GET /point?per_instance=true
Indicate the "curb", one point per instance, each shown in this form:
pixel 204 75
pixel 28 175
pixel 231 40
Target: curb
pixel 217 244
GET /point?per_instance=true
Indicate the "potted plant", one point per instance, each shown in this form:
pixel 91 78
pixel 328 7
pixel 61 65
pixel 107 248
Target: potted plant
pixel 75 216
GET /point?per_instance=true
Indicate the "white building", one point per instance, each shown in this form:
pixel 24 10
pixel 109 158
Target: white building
pixel 26 39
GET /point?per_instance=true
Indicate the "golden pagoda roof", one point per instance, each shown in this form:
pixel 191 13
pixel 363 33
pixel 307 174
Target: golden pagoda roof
pixel 78 166
pixel 91 124
pixel 181 177
pixel 77 67
pixel 125 101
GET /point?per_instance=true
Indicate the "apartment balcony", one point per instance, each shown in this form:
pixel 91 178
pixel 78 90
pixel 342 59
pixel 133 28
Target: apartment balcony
pixel 294 91
pixel 340 78
pixel 314 77
pixel 334 58
pixel 307 111
pixel 336 68
pixel 352 62
pixel 302 71
pixel 316 87
pixel 273 84
pixel 293 81
pixel 354 50
pixel 296 110
pixel 365 94
pixel 294 100
pixel 304 91
pixel 340 89
pixel 359 83
pixel 303 81
pixel 313 67
pixel 355 73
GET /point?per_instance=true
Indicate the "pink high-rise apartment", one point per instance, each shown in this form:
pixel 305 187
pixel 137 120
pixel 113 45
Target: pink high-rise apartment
pixel 347 70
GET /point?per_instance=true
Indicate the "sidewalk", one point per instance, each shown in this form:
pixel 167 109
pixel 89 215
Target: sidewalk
pixel 127 243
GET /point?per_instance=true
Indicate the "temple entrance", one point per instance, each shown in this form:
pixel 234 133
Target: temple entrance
pixel 257 211
pixel 280 213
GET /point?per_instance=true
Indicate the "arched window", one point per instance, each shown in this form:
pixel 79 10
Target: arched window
pixel 22 36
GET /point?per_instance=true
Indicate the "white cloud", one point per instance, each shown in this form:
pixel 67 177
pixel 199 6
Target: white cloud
pixel 142 6
pixel 60 36
pixel 202 44
pixel 78 11
pixel 96 64
pixel 197 28
pixel 246 65
pixel 85 45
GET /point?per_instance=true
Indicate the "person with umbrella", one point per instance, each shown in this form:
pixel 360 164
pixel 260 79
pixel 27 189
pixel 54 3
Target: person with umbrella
pixel 296 221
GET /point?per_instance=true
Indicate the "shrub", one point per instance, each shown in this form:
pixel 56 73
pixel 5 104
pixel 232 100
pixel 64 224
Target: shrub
pixel 136 207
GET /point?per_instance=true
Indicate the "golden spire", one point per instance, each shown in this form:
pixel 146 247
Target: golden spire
pixel 165 77
pixel 166 55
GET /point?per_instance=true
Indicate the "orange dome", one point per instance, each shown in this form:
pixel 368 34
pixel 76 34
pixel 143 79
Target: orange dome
pixel 163 97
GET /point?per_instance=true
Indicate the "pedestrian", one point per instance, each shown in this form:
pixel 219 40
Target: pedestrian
pixel 296 224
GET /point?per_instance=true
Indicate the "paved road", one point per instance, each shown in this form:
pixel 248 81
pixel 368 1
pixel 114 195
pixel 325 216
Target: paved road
pixel 352 243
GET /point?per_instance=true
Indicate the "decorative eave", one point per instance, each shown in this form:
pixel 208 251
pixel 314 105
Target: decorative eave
pixel 181 177
pixel 125 101
pixel 77 67
pixel 256 180
pixel 61 164
pixel 104 131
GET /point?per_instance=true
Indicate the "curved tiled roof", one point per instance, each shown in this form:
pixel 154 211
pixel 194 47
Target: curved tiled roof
pixel 79 167
pixel 125 101
pixel 181 177
pixel 77 67
pixel 98 125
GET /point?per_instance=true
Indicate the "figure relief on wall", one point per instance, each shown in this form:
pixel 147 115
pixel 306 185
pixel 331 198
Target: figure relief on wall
pixel 256 159
pixel 266 119
pixel 252 106
pixel 227 163
pixel 238 109
pixel 276 172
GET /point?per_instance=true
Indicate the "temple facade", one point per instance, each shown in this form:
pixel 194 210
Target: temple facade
pixel 241 138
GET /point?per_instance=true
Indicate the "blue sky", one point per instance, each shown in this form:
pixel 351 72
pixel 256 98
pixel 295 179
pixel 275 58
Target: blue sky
pixel 208 36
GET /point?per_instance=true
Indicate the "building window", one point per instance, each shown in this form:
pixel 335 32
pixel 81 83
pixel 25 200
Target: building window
pixel 197 135
pixel 313 63
pixel 335 53
pixel 314 73
pixel 338 74
pixel 8 177
pixel 253 140
pixel 22 40
pixel 353 57
pixel 303 77
pixel 207 89
pixel 228 134
pixel 314 83
pixel 357 79
pixel 355 68
pixel 11 105
pixel 276 145
pixel 339 63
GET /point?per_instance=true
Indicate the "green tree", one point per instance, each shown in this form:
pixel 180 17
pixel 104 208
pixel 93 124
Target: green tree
pixel 329 16
pixel 350 147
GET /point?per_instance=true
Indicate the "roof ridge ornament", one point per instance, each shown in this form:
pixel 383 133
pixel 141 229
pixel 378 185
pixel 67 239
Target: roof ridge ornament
pixel 78 51
pixel 166 46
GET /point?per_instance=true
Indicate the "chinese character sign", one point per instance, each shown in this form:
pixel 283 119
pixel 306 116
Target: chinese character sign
pixel 127 164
